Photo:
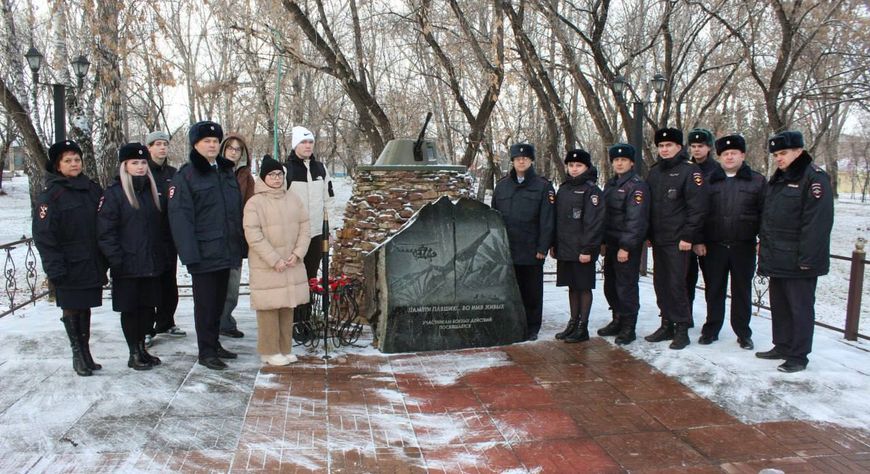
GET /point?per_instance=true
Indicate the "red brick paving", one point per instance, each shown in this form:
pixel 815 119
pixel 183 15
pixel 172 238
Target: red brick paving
pixel 540 407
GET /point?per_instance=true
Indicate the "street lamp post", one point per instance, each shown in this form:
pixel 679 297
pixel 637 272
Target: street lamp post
pixel 80 66
pixel 638 113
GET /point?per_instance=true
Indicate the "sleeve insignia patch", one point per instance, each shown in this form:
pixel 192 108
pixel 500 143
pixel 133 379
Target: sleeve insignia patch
pixel 697 178
pixel 551 196
pixel 43 211
pixel 171 191
pixel 816 190
pixel 100 205
pixel 594 199
pixel 638 197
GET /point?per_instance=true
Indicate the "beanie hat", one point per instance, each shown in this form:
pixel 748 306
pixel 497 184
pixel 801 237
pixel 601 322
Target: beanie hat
pixel 730 142
pixel 579 156
pixel 621 150
pixel 669 135
pixel 300 134
pixel 269 165
pixel 56 150
pixel 701 135
pixel 133 151
pixel 785 140
pixel 522 149
pixel 154 136
pixel 204 129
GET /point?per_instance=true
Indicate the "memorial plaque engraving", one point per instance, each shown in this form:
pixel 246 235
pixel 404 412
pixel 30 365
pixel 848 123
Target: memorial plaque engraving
pixel 445 281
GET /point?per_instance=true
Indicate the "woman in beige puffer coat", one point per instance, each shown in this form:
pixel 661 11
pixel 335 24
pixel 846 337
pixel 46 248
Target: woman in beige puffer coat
pixel 278 234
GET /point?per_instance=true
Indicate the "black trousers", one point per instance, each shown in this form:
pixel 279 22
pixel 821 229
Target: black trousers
pixel 209 295
pixel 165 314
pixel 670 265
pixel 314 256
pixel 792 308
pixel 530 279
pixel 620 281
pixel 738 261
pixel 695 262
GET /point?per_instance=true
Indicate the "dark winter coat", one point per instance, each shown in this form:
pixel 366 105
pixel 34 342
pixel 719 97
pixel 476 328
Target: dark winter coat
pixel 205 215
pixel 797 221
pixel 627 219
pixel 163 175
pixel 65 232
pixel 131 239
pixel 708 167
pixel 527 210
pixel 734 212
pixel 580 213
pixel 679 202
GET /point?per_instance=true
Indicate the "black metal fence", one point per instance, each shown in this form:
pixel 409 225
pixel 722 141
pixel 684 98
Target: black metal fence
pixel 20 269
pixel 23 285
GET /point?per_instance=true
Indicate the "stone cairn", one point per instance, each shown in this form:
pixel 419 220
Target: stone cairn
pixel 381 202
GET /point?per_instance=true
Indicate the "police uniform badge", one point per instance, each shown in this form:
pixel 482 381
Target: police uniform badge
pixel 697 178
pixel 594 199
pixel 551 196
pixel 171 191
pixel 638 197
pixel 100 205
pixel 816 190
pixel 43 211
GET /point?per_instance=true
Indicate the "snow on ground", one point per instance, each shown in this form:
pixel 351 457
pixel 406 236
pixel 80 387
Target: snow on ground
pixel 42 397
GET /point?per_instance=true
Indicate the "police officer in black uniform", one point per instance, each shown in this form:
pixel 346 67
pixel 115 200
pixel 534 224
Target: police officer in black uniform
pixel 627 199
pixel 701 153
pixel 130 235
pixel 736 197
pixel 677 214
pixel 205 214
pixel 65 233
pixel 526 203
pixel 158 148
pixel 579 232
pixel 795 247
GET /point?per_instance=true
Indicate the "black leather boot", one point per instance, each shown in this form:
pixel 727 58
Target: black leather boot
pixel 626 330
pixel 85 335
pixel 665 332
pixel 612 327
pixel 572 325
pixel 71 324
pixel 681 336
pixel 136 360
pixel 143 354
pixel 580 334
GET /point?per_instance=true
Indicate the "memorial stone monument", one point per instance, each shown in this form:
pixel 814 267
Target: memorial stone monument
pixel 445 281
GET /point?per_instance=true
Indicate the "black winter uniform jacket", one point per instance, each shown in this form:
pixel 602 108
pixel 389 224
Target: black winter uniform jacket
pixel 679 201
pixel 734 213
pixel 163 175
pixel 797 221
pixel 205 214
pixel 131 239
pixel 627 218
pixel 65 232
pixel 580 214
pixel 527 210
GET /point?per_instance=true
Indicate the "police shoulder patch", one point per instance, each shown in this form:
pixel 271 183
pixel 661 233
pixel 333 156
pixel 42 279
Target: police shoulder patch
pixel 43 211
pixel 697 178
pixel 816 190
pixel 638 196
pixel 100 205
pixel 551 196
pixel 171 192
pixel 594 199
